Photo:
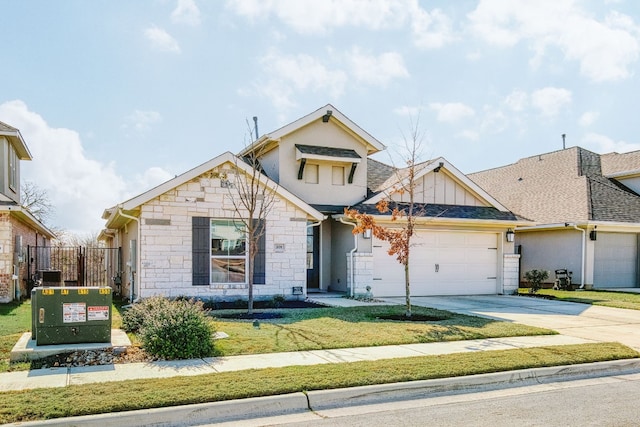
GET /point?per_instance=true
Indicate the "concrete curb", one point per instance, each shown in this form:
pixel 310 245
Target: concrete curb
pixel 218 412
pixel 367 395
pixel 187 415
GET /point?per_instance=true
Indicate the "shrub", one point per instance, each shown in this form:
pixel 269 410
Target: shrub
pixel 170 330
pixel 134 317
pixel 277 301
pixel 535 279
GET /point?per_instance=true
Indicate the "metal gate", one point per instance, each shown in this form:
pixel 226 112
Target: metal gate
pixel 79 265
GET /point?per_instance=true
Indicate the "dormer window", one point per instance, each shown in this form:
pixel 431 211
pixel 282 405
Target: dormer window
pixel 330 154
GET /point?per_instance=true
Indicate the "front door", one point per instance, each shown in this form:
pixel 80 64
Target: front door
pixel 313 257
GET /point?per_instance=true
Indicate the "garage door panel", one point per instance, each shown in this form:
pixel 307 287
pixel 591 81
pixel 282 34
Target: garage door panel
pixel 442 263
pixel 616 260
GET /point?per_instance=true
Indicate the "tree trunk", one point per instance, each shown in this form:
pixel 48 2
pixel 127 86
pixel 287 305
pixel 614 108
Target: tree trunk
pixel 253 247
pixel 407 290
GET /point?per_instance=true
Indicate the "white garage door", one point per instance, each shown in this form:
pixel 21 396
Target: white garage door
pixel 442 263
pixel 616 260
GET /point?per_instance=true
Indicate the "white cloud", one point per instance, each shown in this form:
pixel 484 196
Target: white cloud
pixel 150 178
pixel 161 40
pixel 517 100
pixel 603 144
pixel 493 120
pixel 471 135
pixel 605 49
pixel 550 101
pixel 407 110
pixel 141 121
pixel 588 118
pixel 430 29
pixel 186 12
pixel 376 70
pixel 80 188
pixel 319 17
pixel 289 75
pixel 452 112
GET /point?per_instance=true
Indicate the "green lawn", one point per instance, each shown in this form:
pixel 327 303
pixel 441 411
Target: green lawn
pixel 605 298
pixel 140 394
pixel 15 319
pixel 326 328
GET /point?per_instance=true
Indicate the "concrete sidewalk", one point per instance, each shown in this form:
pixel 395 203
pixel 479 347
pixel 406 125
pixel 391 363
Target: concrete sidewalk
pixel 62 377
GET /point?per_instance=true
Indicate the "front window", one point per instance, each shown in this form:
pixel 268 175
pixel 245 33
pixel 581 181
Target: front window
pixel 228 251
pixel 13 168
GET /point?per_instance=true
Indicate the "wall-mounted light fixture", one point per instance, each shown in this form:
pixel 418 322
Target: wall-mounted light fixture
pixel 325 118
pixel 367 233
pixel 510 235
pixel 593 234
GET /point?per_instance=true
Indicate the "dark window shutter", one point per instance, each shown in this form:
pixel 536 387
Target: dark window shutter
pixel 200 250
pixel 259 260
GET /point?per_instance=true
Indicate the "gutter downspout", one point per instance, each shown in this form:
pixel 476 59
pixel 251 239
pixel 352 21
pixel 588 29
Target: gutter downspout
pixel 120 212
pixel 584 244
pixel 355 248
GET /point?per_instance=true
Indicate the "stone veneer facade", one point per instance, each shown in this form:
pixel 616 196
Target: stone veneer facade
pixel 166 243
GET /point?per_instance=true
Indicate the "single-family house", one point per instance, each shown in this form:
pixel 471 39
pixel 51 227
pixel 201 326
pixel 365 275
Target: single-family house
pixel 172 235
pixel 18 227
pixel 586 209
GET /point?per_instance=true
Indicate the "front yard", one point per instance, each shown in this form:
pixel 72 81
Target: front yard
pixel 298 329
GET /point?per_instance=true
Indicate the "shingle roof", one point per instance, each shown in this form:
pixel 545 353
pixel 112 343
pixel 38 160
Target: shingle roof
pixel 377 173
pixel 432 210
pixel 561 186
pixel 616 163
pixel 328 151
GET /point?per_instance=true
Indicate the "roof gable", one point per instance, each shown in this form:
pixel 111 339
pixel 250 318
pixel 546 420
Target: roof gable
pixel 17 141
pixel 326 113
pixel 225 158
pixel 437 182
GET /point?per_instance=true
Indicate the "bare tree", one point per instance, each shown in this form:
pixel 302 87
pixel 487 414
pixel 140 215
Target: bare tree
pixel 253 197
pixel 36 200
pixel 403 213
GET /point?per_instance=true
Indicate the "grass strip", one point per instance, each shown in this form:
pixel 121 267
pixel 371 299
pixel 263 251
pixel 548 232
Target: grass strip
pixel 628 300
pixel 142 394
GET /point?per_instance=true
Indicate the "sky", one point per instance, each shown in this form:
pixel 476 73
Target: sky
pixel 114 97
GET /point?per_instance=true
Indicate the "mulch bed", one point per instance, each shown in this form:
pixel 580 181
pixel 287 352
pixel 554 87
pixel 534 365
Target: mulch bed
pixel 259 305
pixel 413 318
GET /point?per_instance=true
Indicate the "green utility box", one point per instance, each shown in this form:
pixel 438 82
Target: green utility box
pixel 70 315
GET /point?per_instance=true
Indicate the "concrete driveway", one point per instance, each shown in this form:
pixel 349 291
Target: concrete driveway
pixel 600 324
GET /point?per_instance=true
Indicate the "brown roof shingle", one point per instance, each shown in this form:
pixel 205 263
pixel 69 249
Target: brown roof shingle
pixel 561 186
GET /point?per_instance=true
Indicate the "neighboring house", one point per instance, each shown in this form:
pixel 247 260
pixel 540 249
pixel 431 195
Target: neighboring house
pixel 318 165
pixel 586 209
pixel 18 227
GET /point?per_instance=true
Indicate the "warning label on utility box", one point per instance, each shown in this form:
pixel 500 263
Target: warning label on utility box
pixel 98 312
pixel 74 312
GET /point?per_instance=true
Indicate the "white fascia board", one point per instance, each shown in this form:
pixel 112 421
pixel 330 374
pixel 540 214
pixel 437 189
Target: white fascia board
pixel 620 227
pixel 625 174
pixel 28 217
